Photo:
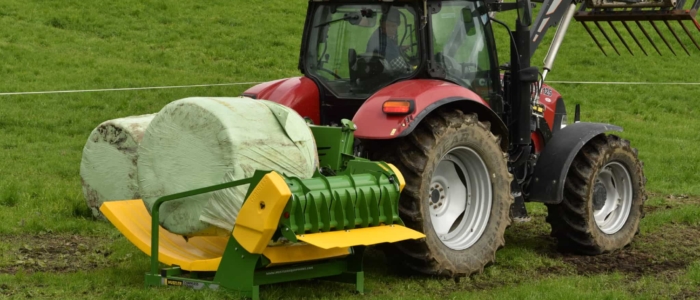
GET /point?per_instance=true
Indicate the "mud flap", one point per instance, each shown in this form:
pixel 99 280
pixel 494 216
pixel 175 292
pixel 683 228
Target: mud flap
pixel 547 183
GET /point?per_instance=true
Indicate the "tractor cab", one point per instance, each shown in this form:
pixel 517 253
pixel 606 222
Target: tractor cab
pixel 352 49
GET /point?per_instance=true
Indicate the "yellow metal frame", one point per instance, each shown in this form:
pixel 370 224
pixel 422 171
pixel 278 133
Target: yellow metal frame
pixel 362 236
pixel 255 226
pixel 132 219
pixel 399 176
pixel 259 216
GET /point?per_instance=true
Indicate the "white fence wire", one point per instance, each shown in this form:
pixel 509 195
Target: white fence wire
pixel 252 83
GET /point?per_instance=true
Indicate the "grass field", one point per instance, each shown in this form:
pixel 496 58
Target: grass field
pixel 50 247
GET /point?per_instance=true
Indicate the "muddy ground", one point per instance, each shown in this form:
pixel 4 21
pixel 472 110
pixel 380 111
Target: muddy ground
pixel 49 252
pixel 670 248
pixel 664 253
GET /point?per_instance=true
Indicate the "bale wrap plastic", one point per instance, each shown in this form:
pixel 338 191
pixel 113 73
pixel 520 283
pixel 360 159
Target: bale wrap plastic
pixel 198 142
pixel 108 168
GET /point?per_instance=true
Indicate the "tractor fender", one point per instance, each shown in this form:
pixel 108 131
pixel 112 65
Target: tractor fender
pixel 298 93
pixel 548 179
pixel 428 95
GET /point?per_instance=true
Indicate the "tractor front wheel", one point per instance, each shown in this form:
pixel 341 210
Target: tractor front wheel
pixel 603 198
pixel 457 193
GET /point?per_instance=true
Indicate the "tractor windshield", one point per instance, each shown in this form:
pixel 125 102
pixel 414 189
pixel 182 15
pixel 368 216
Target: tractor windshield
pixel 354 50
pixel 460 45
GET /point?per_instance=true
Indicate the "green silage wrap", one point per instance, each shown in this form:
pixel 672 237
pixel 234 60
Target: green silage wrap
pixel 108 166
pixel 198 142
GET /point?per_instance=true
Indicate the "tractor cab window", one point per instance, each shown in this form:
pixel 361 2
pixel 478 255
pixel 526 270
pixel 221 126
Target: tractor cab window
pixel 460 48
pixel 355 50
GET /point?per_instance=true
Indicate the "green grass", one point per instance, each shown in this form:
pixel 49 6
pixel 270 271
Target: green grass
pixel 49 45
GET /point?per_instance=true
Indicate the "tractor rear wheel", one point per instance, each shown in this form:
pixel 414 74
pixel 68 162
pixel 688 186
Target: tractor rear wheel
pixel 457 193
pixel 603 198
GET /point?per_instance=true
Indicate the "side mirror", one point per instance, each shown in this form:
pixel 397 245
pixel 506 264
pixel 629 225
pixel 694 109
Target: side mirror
pixel 525 12
pixel 468 19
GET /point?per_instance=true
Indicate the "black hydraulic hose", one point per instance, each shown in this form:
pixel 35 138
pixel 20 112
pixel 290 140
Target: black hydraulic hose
pixel 510 33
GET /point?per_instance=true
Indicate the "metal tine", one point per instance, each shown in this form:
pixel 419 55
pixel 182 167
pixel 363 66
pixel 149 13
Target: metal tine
pixel 619 36
pixel 634 37
pixel 689 35
pixel 648 37
pixel 677 38
pixel 594 39
pixel 662 36
pixel 606 37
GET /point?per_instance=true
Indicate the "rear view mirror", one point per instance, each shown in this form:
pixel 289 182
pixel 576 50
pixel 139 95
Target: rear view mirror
pixel 467 15
pixel 363 18
pixel 468 19
pixel 367 22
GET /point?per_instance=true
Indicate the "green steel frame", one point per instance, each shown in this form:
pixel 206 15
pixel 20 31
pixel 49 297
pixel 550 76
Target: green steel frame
pixel 241 271
pixel 362 193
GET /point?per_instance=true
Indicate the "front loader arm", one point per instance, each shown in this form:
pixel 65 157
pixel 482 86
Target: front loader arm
pixel 550 15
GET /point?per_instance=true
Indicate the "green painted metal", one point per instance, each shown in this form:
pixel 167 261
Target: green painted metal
pixel 365 193
pixel 334 144
pixel 301 272
pixel 155 215
pixel 361 194
pixel 236 270
pixel 322 204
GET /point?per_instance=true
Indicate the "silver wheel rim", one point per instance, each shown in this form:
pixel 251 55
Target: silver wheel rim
pixel 612 197
pixel 459 198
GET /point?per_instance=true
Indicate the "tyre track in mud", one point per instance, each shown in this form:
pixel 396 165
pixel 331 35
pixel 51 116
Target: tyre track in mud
pixel 669 248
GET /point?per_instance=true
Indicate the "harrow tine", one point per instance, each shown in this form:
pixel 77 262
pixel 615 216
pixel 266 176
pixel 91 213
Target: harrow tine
pixel 606 37
pixel 634 37
pixel 662 36
pixel 648 37
pixel 677 38
pixel 620 37
pixel 689 35
pixel 594 39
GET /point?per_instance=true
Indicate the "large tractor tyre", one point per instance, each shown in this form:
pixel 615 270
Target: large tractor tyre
pixel 457 194
pixel 603 199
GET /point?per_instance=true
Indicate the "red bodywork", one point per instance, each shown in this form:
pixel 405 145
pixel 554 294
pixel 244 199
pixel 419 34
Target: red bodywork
pixel 549 98
pixel 302 95
pixel 372 123
pixel 298 93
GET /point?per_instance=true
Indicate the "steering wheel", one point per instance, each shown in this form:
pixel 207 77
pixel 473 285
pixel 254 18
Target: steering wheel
pixel 411 59
pixel 452 68
pixel 473 67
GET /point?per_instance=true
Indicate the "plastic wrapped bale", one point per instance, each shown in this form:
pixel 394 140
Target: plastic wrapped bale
pixel 108 168
pixel 198 142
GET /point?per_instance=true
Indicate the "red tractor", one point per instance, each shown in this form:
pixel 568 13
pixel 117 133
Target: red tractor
pixel 422 82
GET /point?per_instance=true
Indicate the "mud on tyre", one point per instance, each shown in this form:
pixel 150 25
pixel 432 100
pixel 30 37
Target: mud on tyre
pixel 603 198
pixel 457 193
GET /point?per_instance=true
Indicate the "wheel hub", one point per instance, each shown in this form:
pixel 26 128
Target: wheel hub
pixel 459 198
pixel 599 195
pixel 437 194
pixel 612 197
